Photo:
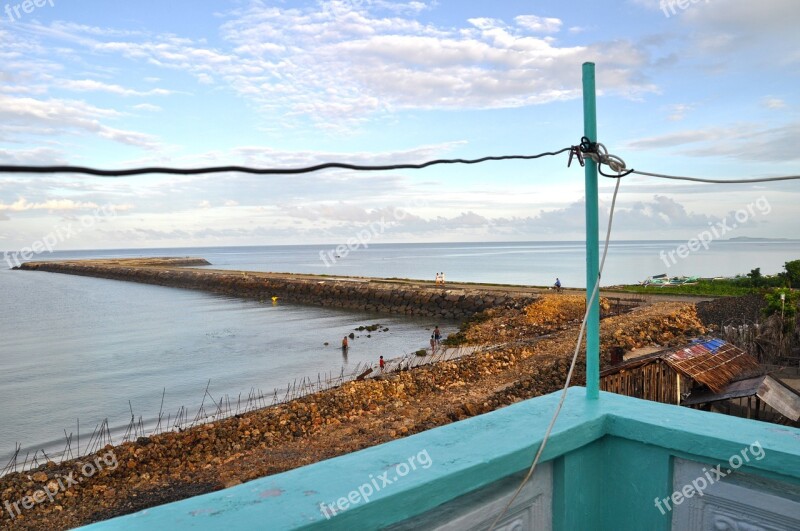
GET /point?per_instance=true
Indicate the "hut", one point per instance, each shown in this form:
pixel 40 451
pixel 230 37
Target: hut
pixel 708 374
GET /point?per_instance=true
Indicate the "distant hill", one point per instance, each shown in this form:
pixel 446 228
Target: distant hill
pixel 750 239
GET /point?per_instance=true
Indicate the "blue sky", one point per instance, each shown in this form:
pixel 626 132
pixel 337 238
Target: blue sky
pixel 710 90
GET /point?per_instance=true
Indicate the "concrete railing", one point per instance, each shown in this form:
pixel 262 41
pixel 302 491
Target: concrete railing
pixel 613 463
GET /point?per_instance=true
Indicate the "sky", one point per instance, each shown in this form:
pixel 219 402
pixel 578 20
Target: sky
pixel 701 88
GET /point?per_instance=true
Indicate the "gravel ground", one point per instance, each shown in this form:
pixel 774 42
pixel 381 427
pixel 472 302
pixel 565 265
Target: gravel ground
pixel 731 310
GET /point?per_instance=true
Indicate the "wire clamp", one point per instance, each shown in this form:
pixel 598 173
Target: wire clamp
pixel 598 153
pixel 575 151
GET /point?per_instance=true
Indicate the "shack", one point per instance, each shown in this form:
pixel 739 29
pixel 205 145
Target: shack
pixel 708 374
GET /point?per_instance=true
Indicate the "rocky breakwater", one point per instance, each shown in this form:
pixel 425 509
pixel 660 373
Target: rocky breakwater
pixel 372 295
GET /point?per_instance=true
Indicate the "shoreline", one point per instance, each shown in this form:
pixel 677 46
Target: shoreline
pixel 523 361
pixel 531 360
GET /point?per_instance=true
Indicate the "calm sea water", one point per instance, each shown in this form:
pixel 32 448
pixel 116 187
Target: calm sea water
pixel 83 348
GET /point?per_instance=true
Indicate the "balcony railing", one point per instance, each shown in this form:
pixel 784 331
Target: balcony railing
pixel 612 463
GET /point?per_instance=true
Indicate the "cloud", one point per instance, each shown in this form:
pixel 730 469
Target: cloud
pixel 89 85
pixel 661 215
pixel 147 107
pixel 678 111
pixel 539 24
pixel 22 205
pixel 57 116
pixel 773 103
pixel 745 141
pixel 343 62
pixel 32 156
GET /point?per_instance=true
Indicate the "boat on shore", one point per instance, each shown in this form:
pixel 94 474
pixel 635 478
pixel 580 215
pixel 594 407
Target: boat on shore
pixel 662 280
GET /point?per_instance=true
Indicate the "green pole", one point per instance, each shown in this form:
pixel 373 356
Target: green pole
pixel 592 239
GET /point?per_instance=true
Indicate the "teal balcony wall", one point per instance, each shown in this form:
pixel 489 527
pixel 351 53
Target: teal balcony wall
pixel 611 458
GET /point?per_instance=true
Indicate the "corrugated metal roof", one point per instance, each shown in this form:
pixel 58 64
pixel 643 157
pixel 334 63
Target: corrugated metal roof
pixel 772 391
pixel 710 361
pixel 715 368
pixel 712 344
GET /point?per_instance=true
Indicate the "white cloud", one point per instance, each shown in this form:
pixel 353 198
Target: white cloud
pixel 539 24
pixel 746 141
pixel 40 155
pixel 308 64
pixel 54 116
pixel 773 103
pixel 148 107
pixel 90 85
pixel 22 205
pixel 678 111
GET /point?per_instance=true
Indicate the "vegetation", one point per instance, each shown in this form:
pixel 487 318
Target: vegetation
pixel 783 303
pixel 712 288
pixel 753 282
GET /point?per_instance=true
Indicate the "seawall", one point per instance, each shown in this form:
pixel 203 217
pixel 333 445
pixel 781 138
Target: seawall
pixel 373 295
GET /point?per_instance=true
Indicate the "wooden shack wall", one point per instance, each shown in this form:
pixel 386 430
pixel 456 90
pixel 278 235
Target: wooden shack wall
pixel 655 381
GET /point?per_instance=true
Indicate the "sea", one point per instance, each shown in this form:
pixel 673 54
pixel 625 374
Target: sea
pixel 75 351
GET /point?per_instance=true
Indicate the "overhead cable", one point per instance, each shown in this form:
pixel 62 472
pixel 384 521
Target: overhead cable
pixel 263 171
pixel 718 181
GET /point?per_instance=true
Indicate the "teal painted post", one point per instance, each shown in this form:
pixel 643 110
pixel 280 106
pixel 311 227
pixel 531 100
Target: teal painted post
pixel 592 241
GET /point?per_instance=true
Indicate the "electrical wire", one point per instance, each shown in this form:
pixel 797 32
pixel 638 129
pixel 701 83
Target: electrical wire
pixel 717 181
pixel 599 153
pixel 571 367
pixel 263 171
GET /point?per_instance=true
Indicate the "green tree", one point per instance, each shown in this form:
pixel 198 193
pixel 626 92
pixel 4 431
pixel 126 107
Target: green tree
pixel 786 306
pixel 793 272
pixel 756 279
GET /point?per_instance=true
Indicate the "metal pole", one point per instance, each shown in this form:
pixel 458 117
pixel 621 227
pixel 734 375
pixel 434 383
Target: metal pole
pixel 592 238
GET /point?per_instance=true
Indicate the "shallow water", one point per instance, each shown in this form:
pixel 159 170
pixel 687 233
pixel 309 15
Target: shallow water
pixel 82 348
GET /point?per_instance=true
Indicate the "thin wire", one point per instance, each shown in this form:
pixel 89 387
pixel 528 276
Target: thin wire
pixel 717 181
pixel 263 171
pixel 571 367
pixel 599 153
